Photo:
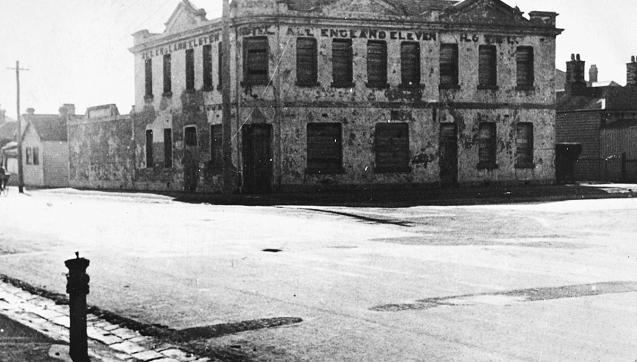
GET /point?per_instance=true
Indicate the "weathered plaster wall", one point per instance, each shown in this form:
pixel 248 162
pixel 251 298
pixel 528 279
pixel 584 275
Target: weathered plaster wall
pixel 33 174
pixel 55 159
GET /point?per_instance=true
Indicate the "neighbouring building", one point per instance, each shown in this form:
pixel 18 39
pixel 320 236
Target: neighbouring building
pixel 601 118
pixel 45 153
pixel 335 93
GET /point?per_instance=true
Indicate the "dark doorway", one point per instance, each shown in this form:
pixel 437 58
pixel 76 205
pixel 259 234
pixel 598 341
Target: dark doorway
pixel 566 155
pixel 448 155
pixel 257 158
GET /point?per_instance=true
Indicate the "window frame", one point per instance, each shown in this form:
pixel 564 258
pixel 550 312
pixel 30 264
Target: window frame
pixel 313 165
pixel 312 79
pixel 529 76
pixel 216 149
pixel 186 138
pixel 148 79
pixel 249 77
pixel 454 67
pixel 168 148
pixel 404 82
pixel 190 70
pixel 28 155
pixel 488 146
pixel 346 77
pixel 386 167
pixel 219 65
pixel 379 72
pixel 525 160
pixel 490 67
pixel 206 57
pixel 167 67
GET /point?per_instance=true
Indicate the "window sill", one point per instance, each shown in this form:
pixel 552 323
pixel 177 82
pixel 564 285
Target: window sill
pixel 330 171
pixel 487 166
pixel 449 87
pixel 167 94
pixel 394 169
pixel 342 85
pixel 190 90
pixel 410 87
pixel 207 89
pixel 525 88
pixel 524 166
pixel 488 87
pixel 308 85
pixel 253 83
pixel 377 85
pixel 148 98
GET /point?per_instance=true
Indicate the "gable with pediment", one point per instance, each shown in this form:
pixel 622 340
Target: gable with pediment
pixel 493 12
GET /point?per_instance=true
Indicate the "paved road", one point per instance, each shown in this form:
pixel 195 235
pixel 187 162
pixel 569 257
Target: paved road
pixel 19 343
pixel 545 281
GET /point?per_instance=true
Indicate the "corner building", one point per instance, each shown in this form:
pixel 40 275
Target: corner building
pixel 343 93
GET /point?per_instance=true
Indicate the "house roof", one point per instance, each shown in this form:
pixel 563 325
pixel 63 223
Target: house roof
pixel 50 127
pixel 408 7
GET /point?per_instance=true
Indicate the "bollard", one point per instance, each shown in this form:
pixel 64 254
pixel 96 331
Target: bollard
pixel 77 288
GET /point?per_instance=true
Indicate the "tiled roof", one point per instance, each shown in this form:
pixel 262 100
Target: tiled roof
pixel 50 127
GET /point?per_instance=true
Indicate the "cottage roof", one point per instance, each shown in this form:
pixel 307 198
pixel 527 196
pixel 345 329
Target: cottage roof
pixel 50 127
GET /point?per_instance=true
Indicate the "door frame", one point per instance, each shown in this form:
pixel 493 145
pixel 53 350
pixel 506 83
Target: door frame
pixel 251 182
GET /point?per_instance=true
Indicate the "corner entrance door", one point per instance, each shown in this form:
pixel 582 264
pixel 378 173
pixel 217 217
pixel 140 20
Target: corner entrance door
pixel 257 158
pixel 448 155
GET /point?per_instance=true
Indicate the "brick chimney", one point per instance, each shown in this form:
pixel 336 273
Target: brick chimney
pixel 592 74
pixel 575 81
pixel 631 73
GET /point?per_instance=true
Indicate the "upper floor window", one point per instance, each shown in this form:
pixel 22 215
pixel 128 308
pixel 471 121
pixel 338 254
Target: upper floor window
pixel 324 148
pixel 220 64
pixel 190 70
pixel 207 67
pixel 148 78
pixel 487 145
pixel 342 63
pixel 524 145
pixel 149 149
pixel 487 68
pixel 190 136
pixel 167 76
pixel 448 65
pixel 376 64
pixel 525 72
pixel 306 61
pixel 391 147
pixel 255 61
pixel 410 64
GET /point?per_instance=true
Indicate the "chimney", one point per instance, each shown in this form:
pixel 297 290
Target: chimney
pixel 631 73
pixel 30 111
pixel 575 81
pixel 592 74
pixel 67 109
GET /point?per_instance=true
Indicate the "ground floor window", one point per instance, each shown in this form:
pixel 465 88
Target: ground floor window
pixel 168 148
pixel 324 148
pixel 149 148
pixel 216 148
pixel 487 144
pixel 190 136
pixel 524 145
pixel 391 147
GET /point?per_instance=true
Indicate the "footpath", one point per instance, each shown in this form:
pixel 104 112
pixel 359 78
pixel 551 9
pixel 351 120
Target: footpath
pixel 35 328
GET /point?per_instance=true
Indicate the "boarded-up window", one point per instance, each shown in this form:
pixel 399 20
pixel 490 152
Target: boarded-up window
pixel 29 155
pixel 207 67
pixel 149 149
pixel 525 73
pixel 448 65
pixel 220 64
pixel 487 69
pixel 148 78
pixel 410 64
pixel 255 52
pixel 216 148
pixel 167 76
pixel 376 64
pixel 391 146
pixel 324 148
pixel 342 62
pixel 487 145
pixel 524 145
pixel 190 69
pixel 168 148
pixel 190 136
pixel 306 61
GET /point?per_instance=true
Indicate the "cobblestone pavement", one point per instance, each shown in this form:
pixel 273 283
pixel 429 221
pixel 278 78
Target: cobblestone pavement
pixel 108 342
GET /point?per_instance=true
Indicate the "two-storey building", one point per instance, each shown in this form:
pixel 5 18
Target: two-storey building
pixel 336 93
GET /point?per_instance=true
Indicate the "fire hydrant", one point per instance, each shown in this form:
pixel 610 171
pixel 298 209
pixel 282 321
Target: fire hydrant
pixel 77 288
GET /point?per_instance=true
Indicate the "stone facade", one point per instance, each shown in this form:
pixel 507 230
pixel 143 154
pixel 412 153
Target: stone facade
pixel 281 129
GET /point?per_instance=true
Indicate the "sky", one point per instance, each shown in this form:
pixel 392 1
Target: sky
pixel 77 50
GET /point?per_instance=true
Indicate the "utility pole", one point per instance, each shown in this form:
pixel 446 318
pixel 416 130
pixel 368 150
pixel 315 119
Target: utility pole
pixel 19 119
pixel 228 169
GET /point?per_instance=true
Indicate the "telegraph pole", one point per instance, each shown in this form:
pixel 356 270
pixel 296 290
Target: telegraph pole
pixel 19 119
pixel 228 172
